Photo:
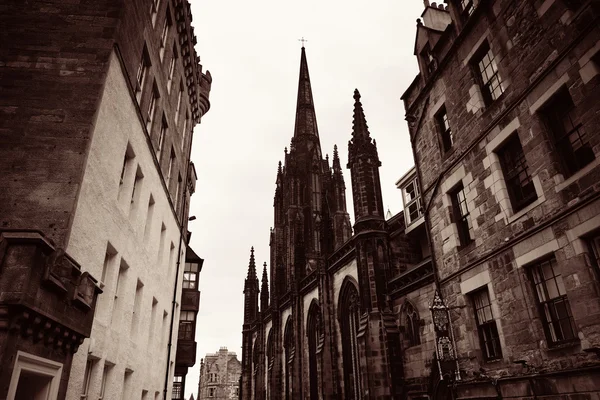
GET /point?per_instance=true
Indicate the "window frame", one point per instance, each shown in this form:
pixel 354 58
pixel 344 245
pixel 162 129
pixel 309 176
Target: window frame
pixel 142 74
pixel 443 124
pixel 462 218
pixel 187 273
pixel 559 106
pixel 487 329
pixel 415 200
pixel 535 273
pixel 487 73
pixel 188 333
pixel 514 164
pixel 412 324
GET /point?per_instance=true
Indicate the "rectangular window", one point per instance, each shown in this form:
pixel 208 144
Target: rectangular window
pixel 516 173
pixel 142 74
pixel 105 371
pixel 154 10
pixel 466 8
pixel 137 303
pixel 491 83
pixel 87 376
pixel 184 130
pixel 570 137
pixel 179 97
pixel 170 168
pixel 136 183
pixel 177 189
pixel 177 387
pixel 164 35
pixel 171 69
pixel 186 325
pixel 461 216
pixel 553 303
pixel 211 392
pixel 594 244
pixel 152 109
pixel 412 202
pixel 444 126
pixel 190 276
pixel 486 325
pixel 428 59
pixel 161 137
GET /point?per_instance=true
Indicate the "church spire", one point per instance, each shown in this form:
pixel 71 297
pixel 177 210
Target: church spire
pixel 306 120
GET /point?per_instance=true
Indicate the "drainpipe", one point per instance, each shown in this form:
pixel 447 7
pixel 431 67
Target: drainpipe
pixel 174 302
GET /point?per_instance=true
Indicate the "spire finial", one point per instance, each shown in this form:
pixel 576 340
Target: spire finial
pixel 252 265
pixel 336 159
pixel 359 123
pixel 302 40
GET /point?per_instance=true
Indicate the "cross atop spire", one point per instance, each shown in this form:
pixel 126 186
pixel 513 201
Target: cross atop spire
pixel 302 40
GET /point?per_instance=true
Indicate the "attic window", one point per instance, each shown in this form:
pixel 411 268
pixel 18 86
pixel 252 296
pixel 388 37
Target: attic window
pixel 467 8
pixel 428 59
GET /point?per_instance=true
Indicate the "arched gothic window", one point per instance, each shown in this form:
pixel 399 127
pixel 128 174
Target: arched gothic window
pixel 349 307
pixel 255 361
pixel 411 324
pixel 314 332
pixel 289 350
pixel 270 361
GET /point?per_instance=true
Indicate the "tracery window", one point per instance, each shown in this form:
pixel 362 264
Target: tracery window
pixel 289 350
pixel 349 319
pixel 412 323
pixel 270 362
pixel 314 332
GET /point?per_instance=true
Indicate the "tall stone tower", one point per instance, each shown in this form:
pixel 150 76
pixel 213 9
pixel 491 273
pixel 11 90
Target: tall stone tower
pixel 380 343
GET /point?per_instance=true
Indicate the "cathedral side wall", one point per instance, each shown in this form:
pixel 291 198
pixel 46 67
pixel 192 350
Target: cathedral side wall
pixel 348 270
pixel 132 317
pixel 418 358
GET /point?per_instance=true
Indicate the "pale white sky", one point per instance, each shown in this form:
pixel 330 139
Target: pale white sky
pixel 252 51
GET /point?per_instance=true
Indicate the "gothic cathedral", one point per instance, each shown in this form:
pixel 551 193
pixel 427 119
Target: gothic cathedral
pixel 326 327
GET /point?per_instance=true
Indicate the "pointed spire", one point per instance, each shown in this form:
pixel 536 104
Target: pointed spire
pixel 252 266
pixel 306 121
pixel 336 159
pixel 359 122
pixel 265 279
pixel 264 290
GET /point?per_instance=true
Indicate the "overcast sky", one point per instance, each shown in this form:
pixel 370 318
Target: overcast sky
pixel 252 50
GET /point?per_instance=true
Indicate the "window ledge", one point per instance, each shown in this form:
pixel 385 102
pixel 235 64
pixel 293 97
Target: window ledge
pixel 578 175
pixel 563 346
pixel 417 222
pixel 525 210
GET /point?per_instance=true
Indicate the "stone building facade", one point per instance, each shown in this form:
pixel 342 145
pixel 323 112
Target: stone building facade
pixel 99 102
pixel 504 124
pixel 220 376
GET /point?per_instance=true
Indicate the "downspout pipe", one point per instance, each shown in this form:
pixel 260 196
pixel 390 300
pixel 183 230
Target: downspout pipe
pixel 174 302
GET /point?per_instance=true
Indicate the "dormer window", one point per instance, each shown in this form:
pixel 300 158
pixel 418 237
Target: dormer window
pixel 428 59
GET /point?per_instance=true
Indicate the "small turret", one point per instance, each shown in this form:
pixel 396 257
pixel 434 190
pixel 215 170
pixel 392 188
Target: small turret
pixel 363 162
pixel 251 291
